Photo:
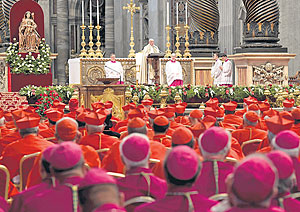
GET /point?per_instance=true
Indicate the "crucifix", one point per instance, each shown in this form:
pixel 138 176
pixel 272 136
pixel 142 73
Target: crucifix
pixel 132 10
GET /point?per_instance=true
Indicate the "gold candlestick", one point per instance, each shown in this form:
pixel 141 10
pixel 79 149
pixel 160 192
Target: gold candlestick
pixel 83 44
pixel 131 9
pixel 98 44
pixel 168 51
pixel 178 54
pixel 187 51
pixel 91 43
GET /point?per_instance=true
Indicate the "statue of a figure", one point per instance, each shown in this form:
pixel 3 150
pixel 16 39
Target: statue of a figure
pixel 29 38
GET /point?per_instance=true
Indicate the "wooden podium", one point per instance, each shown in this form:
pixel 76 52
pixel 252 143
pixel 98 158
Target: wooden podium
pixel 89 94
pixel 153 59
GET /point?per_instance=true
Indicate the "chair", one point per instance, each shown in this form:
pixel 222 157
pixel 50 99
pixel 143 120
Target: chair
pixel 219 197
pixel 295 195
pixel 116 175
pixel 102 152
pixel 4 179
pixel 26 164
pixel 131 204
pixel 152 162
pixel 231 160
pixel 250 146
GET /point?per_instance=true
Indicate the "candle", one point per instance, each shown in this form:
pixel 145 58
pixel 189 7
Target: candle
pixel 82 9
pixel 168 18
pixel 98 20
pixel 177 13
pixel 186 13
pixel 91 13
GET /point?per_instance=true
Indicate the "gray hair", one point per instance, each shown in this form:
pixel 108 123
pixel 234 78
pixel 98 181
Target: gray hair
pixel 285 185
pixel 141 130
pixel 26 131
pixel 94 128
pixel 2 121
pixel 249 123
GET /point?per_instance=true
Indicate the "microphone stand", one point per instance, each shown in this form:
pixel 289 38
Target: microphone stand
pixel 115 72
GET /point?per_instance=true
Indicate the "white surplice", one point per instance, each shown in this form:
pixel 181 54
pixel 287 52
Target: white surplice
pixel 173 71
pixel 216 72
pixel 227 73
pixel 114 70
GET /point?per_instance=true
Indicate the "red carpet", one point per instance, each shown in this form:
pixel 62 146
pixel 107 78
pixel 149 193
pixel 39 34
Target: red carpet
pixel 11 100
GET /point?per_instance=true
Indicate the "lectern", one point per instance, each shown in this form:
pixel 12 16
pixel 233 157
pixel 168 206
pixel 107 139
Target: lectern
pixel 89 94
pixel 153 59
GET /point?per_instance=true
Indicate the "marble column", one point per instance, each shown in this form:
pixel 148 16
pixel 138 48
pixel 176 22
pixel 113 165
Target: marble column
pixel 62 39
pixel 230 28
pixel 109 28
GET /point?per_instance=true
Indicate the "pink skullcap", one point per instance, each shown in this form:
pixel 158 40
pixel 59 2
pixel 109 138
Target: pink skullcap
pixel 282 162
pixel 287 140
pixel 214 140
pixel 254 179
pixel 65 156
pixel 96 176
pixel 47 152
pixel 135 147
pixel 182 163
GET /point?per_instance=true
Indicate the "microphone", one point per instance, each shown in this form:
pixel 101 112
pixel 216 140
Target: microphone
pixel 105 66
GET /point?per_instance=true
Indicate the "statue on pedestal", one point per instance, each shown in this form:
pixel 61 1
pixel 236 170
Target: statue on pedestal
pixel 261 26
pixel 29 38
pixel 204 27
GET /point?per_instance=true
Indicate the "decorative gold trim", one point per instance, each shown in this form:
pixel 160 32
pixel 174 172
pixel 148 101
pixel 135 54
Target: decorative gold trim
pixel 25 157
pixel 5 170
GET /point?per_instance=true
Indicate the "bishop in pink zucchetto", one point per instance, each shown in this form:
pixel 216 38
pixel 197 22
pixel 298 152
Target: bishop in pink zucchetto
pixel 182 167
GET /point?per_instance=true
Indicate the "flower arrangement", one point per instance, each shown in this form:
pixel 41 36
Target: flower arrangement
pixel 44 96
pixel 198 94
pixel 29 64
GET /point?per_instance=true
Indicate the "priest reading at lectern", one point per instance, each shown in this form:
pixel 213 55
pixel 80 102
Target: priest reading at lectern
pixel 114 69
pixel 149 49
pixel 174 72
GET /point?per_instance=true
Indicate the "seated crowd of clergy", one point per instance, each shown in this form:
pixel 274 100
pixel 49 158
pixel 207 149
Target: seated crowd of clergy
pixel 219 159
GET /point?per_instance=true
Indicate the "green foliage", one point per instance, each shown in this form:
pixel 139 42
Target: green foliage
pixel 44 96
pixel 29 64
pixel 190 93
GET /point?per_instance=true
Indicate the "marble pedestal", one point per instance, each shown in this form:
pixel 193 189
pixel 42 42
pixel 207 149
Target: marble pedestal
pixel 261 68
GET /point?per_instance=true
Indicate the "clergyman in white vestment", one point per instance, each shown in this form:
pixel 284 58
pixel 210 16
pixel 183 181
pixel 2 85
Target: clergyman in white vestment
pixel 174 72
pixel 149 49
pixel 113 68
pixel 226 78
pixel 216 72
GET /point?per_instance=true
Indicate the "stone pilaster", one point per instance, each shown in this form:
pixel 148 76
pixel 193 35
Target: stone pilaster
pixel 157 22
pixel 62 39
pixel 109 28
